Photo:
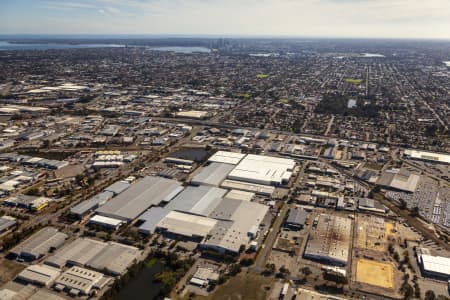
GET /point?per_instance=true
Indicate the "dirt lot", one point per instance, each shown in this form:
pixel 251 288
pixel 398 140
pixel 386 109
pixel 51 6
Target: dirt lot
pixel 371 233
pixel 375 273
pixel 8 270
pixel 243 286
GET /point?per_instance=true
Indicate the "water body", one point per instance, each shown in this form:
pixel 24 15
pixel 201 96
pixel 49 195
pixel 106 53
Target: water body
pixel 52 46
pixel 185 50
pixel 372 55
pixel 142 286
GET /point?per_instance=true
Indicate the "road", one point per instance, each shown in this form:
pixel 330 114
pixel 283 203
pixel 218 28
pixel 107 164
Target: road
pixel 263 255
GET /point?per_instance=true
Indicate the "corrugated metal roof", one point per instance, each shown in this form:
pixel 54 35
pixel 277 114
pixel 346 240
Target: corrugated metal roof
pixel 213 174
pixel 199 200
pixel 149 191
pixel 151 219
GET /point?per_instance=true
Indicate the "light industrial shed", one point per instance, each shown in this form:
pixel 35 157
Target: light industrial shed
pixel 149 191
pixel 213 174
pixel 226 157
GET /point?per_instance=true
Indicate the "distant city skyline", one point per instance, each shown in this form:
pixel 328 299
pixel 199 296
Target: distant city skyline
pixel 294 18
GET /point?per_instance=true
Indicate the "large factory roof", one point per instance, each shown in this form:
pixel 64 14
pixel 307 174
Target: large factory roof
pixel 399 179
pixel 226 157
pixel 263 169
pixel 330 240
pixel 113 257
pixel 186 224
pixel 213 174
pixel 428 156
pixel 40 243
pixel 149 191
pixel 199 200
pixel 151 218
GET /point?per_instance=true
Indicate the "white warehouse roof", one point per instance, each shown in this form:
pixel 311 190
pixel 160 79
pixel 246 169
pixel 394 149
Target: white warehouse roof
pixel 436 264
pixel 263 169
pixel 225 157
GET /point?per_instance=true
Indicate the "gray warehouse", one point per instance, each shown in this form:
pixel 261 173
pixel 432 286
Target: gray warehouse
pixel 149 191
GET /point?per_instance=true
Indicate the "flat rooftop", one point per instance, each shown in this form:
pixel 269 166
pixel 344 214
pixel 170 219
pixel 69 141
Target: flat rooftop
pixel 147 192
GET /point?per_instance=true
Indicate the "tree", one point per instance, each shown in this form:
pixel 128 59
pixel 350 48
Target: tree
pixel 306 271
pixel 403 204
pixel 407 291
pixel 415 211
pixel 235 269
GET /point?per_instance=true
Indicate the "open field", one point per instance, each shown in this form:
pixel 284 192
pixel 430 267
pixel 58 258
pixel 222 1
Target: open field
pixel 371 233
pixel 262 76
pixel 243 286
pixel 8 270
pixel 375 273
pixel 389 228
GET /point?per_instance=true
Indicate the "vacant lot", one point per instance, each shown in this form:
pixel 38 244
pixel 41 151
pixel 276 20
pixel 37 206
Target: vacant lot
pixel 375 273
pixel 243 286
pixel 8 270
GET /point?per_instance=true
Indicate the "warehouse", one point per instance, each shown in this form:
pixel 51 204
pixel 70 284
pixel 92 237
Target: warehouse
pixel 428 156
pixel 238 224
pixel 264 190
pixel 261 169
pixel 199 200
pixel 6 223
pixel 151 218
pixel 239 195
pixel 436 266
pixel 149 191
pixel 399 180
pixel 213 174
pixel 82 281
pixel 40 275
pixel 107 222
pixel 296 219
pixel 370 205
pixel 85 207
pixel 225 157
pixel 117 187
pixel 39 243
pixel 112 257
pixel 330 240
pixel 190 226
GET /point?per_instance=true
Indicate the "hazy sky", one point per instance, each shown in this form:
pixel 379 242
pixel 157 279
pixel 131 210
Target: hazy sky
pixel 342 18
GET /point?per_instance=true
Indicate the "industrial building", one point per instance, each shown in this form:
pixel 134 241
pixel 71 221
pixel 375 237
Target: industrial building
pixel 91 204
pixel 189 226
pixel 151 218
pixel 117 187
pixel 399 180
pixel 80 281
pixel 239 195
pixel 198 200
pixel 6 223
pixel 226 157
pixel 213 174
pixel 149 191
pixel 296 219
pixel 435 266
pixel 370 205
pixel 40 275
pixel 264 190
pixel 261 169
pixel 39 244
pixel 107 222
pixel 329 241
pixel 427 156
pixel 112 257
pixel 238 224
